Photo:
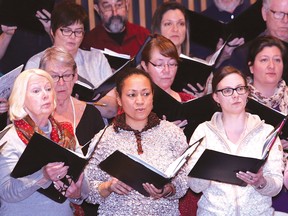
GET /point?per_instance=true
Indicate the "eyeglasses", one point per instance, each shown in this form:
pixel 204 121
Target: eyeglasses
pixel 229 91
pixel 65 77
pixel 69 32
pixel 162 66
pixel 278 14
pixel 117 6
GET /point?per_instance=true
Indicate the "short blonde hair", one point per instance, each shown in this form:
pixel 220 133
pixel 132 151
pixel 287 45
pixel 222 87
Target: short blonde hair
pixel 59 55
pixel 18 94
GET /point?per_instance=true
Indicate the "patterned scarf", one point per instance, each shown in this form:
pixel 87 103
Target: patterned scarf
pixel 120 123
pixel 62 133
pixel 279 101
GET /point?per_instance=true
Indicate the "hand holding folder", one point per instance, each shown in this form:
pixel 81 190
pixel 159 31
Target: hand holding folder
pixel 134 172
pixel 222 167
pixel 207 31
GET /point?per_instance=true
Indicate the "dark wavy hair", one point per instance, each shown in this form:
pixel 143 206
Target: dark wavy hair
pixel 259 43
pixel 67 13
pixel 157 19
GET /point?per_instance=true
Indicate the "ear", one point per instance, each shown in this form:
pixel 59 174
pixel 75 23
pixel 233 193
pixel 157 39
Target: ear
pixel 264 13
pixel 215 97
pixel 127 4
pixel 96 7
pixel 144 66
pixel 118 99
pixel 75 77
pixel 52 34
pixel 250 67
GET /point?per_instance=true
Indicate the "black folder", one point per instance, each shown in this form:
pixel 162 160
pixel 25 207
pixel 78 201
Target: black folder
pixel 195 111
pixel 207 31
pixel 221 167
pixel 87 93
pixel 21 13
pixel 131 172
pixel 39 152
pixel 270 116
pixel 191 72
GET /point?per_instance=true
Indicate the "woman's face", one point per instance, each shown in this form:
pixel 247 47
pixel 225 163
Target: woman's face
pixel 136 101
pixel 235 103
pixel 267 67
pixel 173 26
pixel 161 77
pixel 39 98
pixel 64 86
pixel 70 43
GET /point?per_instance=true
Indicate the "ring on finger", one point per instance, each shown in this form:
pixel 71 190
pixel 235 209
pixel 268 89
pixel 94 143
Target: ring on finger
pixel 58 176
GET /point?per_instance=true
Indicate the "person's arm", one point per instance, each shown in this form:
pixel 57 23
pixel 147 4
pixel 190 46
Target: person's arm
pixel 5 38
pixel 17 189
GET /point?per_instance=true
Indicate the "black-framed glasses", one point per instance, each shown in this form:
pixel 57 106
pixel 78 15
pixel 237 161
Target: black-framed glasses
pixel 278 14
pixel 65 77
pixel 162 66
pixel 229 91
pixel 68 32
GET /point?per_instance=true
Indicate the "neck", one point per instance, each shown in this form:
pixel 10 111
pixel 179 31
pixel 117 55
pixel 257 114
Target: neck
pixel 42 122
pixel 174 94
pixel 234 125
pixel 63 105
pixel 179 49
pixel 266 90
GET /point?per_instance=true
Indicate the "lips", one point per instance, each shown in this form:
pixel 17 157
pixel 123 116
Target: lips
pixel 46 105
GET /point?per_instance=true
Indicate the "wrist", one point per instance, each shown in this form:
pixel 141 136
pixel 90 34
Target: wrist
pixel 262 184
pixel 170 190
pixel 104 189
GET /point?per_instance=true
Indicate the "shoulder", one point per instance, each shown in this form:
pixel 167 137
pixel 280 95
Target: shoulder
pixel 34 61
pixel 11 140
pixel 170 127
pixel 137 29
pixel 93 53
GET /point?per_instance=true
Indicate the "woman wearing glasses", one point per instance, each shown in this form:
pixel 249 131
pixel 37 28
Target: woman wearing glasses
pixel 32 103
pixel 267 59
pixel 160 61
pixel 234 131
pixel 85 118
pixel 67 29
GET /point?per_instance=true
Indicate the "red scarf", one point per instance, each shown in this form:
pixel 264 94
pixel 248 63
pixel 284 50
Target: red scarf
pixel 62 133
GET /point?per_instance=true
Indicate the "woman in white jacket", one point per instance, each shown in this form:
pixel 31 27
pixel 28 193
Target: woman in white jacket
pixel 234 131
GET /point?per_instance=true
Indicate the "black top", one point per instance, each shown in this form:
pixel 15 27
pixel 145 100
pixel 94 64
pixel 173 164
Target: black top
pixel 90 124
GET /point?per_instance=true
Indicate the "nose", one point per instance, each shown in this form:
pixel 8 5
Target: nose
pixel 45 94
pixel 271 64
pixel 139 99
pixel 175 27
pixel 166 68
pixel 60 81
pixel 114 11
